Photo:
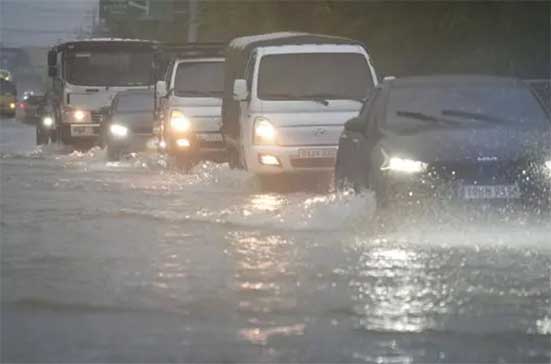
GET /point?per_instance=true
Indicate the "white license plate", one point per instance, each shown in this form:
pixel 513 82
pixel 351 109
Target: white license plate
pixel 491 192
pixel 317 153
pixel 210 137
pixel 82 130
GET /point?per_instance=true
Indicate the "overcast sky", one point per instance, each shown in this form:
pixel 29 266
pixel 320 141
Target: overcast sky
pixel 43 22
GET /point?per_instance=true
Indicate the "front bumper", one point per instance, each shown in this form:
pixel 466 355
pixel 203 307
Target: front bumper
pixel 134 142
pixel 80 131
pixel 415 189
pixel 201 144
pixel 290 160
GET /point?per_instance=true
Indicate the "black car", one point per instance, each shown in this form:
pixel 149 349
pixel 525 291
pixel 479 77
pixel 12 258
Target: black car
pixel 129 127
pixel 461 138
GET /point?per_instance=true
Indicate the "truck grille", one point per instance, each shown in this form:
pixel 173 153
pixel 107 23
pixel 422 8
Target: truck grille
pixel 97 117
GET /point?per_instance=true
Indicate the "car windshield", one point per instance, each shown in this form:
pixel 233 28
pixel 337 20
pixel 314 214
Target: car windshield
pixel 135 103
pixel 463 106
pixel 199 79
pixel 109 68
pixel 317 76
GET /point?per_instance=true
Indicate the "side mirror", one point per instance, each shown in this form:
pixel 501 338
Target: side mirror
pixel 161 89
pixel 240 92
pixel 355 125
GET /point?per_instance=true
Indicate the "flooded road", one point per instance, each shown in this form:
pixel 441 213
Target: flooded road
pixel 136 262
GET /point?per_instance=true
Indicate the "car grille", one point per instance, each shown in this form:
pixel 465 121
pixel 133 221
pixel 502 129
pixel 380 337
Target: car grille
pixel 313 163
pixel 97 117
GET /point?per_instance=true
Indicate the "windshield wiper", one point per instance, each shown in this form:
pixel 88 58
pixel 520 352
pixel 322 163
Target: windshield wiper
pixel 432 119
pixel 327 96
pixel 476 116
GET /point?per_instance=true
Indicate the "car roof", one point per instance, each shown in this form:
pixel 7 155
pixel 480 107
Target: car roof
pixel 455 79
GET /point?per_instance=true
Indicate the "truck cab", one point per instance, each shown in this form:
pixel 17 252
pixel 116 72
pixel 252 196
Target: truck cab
pixel 86 76
pixel 287 97
pixel 191 104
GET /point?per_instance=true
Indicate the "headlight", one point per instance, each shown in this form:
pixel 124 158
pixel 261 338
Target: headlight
pixel 12 105
pixel 179 122
pixel 77 115
pixel 548 167
pixel 264 132
pixel 119 131
pixel 409 166
pixel 48 121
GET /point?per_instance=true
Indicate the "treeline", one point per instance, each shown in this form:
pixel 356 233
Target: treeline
pixel 505 38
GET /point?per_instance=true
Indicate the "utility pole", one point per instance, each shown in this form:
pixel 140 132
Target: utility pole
pixel 193 23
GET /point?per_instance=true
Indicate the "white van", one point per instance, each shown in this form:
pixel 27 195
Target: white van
pixel 287 97
pixel 191 105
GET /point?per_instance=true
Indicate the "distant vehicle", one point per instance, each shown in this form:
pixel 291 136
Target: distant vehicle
pixel 129 127
pixel 191 104
pixel 29 106
pixel 8 98
pixel 6 75
pixel 287 97
pixel 45 123
pixel 460 138
pixel 87 74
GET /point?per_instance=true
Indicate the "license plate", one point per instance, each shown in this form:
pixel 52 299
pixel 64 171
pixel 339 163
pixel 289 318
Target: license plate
pixel 491 192
pixel 210 137
pixel 82 130
pixel 317 153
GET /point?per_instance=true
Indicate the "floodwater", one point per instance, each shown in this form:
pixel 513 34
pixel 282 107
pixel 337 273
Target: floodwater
pixel 136 262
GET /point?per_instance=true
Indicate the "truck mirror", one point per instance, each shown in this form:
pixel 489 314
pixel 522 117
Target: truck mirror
pixel 52 58
pixel 355 125
pixel 240 92
pixel 161 89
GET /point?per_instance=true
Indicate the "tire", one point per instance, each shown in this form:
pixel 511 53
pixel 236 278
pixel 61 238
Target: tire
pixel 375 184
pixel 42 138
pixel 233 159
pixel 113 154
pixel 53 135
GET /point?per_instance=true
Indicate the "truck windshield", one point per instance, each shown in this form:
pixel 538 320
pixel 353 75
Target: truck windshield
pixel 313 75
pixel 109 68
pixel 199 79
pixel 135 103
pixel 7 88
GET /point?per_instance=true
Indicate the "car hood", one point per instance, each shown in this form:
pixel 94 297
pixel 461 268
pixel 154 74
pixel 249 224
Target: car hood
pixel 468 145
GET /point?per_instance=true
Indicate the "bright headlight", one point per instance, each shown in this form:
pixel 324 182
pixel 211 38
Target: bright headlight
pixel 119 131
pixel 48 122
pixel 79 115
pixel 12 105
pixel 179 122
pixel 264 132
pixel 548 166
pixel 404 166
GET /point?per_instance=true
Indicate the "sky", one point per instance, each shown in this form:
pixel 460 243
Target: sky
pixel 43 23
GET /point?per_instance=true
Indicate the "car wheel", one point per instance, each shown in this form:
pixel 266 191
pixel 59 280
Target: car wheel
pixel 113 154
pixel 376 185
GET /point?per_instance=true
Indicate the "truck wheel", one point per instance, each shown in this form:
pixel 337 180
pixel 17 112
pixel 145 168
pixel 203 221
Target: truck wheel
pixel 41 137
pixel 113 154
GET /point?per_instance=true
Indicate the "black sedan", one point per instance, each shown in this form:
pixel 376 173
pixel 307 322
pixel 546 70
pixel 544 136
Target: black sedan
pixel 461 138
pixel 130 124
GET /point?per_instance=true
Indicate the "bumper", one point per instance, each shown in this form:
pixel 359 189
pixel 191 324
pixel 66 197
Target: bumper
pixel 290 160
pixel 417 190
pixel 201 145
pixel 80 131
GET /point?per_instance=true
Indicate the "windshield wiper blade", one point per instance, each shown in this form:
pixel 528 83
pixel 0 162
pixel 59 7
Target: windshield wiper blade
pixel 476 116
pixel 328 96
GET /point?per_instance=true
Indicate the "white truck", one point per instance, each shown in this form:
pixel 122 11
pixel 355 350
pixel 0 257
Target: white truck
pixel 191 104
pixel 287 97
pixel 87 74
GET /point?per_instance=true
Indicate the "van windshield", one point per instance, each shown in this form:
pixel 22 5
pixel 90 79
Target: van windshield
pixel 313 76
pixel 199 79
pixel 109 68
